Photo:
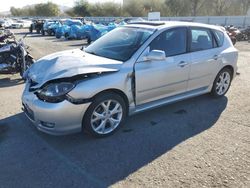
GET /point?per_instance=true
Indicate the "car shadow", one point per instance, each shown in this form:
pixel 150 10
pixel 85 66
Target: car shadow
pixel 143 138
pixel 52 38
pixel 79 45
pixel 61 40
pixel 22 33
pixel 36 35
pixel 9 82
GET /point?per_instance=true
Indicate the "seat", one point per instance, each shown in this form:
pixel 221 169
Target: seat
pixel 203 43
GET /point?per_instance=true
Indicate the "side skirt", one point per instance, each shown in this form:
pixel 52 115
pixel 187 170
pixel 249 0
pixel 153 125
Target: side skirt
pixel 169 100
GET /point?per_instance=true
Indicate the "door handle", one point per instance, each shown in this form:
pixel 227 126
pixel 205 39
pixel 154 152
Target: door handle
pixel 182 64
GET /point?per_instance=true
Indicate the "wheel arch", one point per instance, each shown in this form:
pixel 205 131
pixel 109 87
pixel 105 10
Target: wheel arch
pixel 230 67
pixel 116 91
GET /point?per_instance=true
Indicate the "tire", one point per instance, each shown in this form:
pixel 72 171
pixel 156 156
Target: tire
pixel 29 62
pixel 58 36
pixel 92 123
pixel 220 87
pixel 66 35
pixel 49 32
pixel 88 40
pixel 234 40
pixel 22 72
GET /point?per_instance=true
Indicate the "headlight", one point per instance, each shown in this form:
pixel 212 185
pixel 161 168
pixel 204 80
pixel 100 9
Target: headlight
pixel 55 92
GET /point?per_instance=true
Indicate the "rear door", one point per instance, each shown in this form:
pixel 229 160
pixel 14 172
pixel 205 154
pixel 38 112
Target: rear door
pixel 204 56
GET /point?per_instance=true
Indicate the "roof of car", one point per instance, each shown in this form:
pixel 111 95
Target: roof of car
pixel 166 24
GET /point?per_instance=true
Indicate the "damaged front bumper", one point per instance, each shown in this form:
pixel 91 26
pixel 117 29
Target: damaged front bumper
pixel 53 118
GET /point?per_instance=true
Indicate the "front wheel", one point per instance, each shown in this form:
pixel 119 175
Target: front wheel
pixel 105 115
pixel 222 83
pixel 66 35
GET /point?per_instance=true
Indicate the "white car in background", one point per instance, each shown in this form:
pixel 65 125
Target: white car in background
pixel 6 23
pixel 21 24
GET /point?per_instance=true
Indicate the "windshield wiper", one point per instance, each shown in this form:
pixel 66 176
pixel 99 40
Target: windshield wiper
pixel 91 52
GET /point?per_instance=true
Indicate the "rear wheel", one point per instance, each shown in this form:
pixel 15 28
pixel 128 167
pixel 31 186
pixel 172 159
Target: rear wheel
pixel 105 115
pixel 222 82
pixel 49 32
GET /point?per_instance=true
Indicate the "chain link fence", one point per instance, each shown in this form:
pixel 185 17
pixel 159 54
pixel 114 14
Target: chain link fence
pixel 239 21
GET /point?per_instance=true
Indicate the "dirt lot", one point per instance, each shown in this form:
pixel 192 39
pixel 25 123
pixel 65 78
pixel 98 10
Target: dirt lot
pixel 201 142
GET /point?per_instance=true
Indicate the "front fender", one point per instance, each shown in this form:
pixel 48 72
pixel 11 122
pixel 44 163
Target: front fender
pixel 87 89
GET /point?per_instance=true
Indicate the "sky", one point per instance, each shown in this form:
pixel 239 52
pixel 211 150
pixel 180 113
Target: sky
pixel 6 4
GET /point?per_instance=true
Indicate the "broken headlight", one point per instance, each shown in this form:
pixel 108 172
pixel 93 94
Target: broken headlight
pixel 55 92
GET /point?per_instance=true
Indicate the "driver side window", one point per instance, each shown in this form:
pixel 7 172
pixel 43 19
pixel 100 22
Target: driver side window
pixel 172 42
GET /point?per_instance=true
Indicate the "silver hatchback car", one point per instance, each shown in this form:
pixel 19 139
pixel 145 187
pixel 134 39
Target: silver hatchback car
pixel 131 69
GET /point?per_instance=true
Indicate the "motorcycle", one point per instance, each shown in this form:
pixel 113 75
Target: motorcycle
pixel 5 36
pixel 232 36
pixel 14 57
pixel 232 33
pixel 245 35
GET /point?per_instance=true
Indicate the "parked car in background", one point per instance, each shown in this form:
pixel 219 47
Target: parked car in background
pixel 36 25
pixel 131 69
pixel 17 25
pixel 64 28
pixel 5 23
pixel 26 23
pixel 46 27
pixel 21 24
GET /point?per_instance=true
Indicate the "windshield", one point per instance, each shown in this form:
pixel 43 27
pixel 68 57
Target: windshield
pixel 121 43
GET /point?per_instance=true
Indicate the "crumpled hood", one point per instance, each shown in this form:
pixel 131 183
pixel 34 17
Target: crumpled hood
pixel 67 64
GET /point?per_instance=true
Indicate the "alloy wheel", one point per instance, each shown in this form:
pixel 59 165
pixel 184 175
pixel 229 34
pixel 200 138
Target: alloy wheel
pixel 106 116
pixel 223 83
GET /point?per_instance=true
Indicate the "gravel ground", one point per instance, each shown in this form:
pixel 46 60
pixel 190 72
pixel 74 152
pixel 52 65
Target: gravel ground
pixel 200 142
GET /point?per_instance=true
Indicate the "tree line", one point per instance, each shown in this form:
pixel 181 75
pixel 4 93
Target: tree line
pixel 41 9
pixel 140 8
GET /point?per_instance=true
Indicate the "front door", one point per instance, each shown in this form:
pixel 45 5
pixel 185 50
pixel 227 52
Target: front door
pixel 159 79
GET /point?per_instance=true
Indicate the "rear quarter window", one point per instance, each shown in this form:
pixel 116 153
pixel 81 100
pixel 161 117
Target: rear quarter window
pixel 219 36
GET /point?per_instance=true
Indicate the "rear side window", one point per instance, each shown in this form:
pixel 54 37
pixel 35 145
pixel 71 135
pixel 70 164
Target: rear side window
pixel 173 42
pixel 201 39
pixel 219 36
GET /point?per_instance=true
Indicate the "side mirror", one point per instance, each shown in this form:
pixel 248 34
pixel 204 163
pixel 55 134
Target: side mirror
pixel 155 55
